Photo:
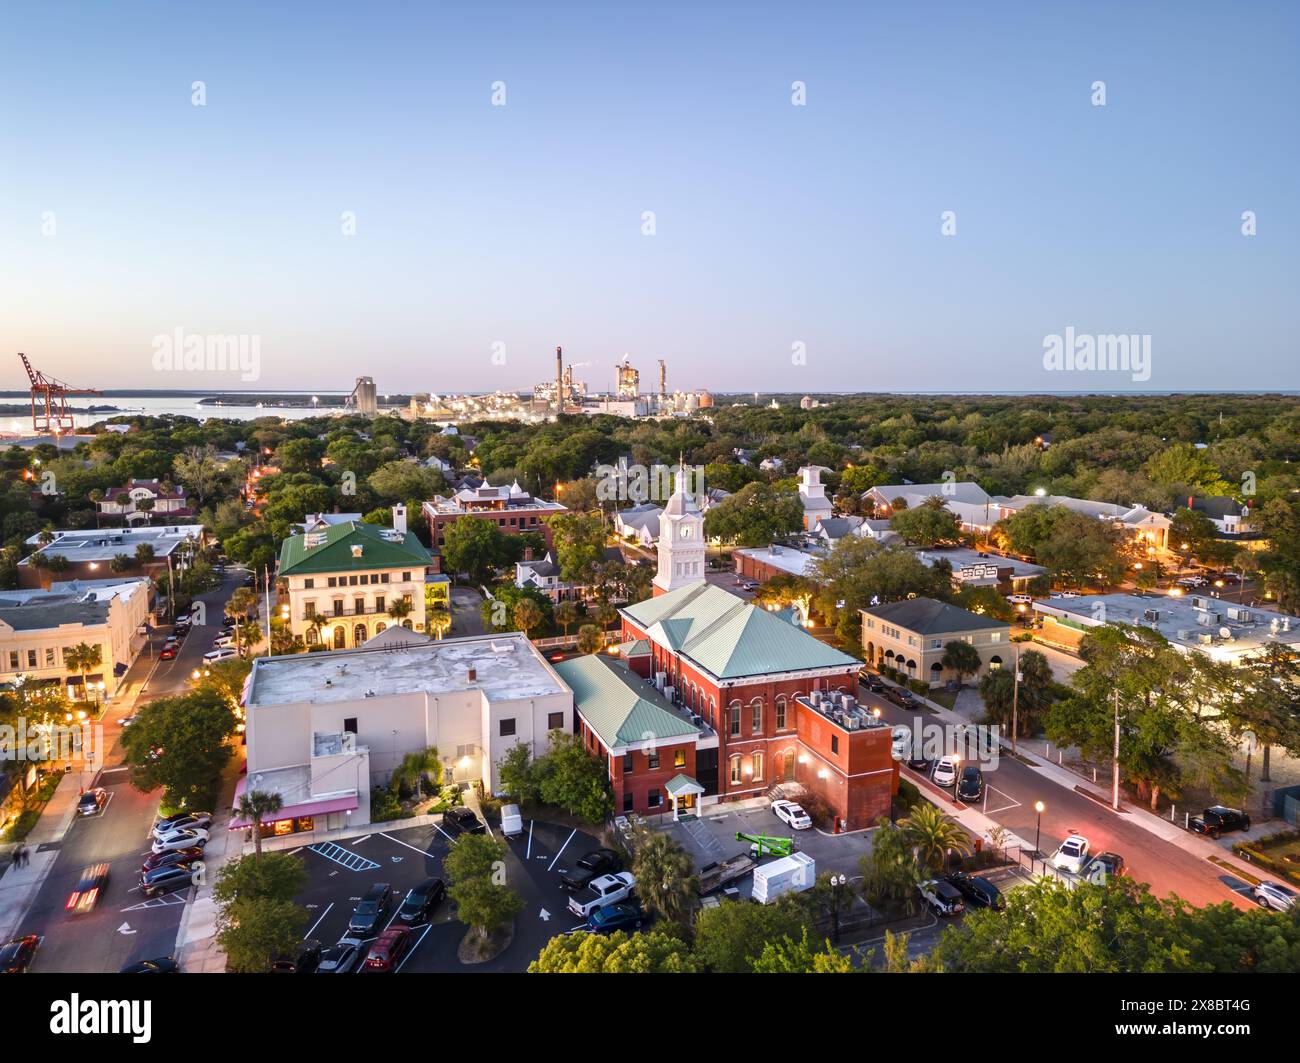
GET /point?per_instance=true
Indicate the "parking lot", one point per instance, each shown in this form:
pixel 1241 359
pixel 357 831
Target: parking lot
pixel 339 874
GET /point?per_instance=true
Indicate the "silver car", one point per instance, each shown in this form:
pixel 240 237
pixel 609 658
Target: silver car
pixel 1274 895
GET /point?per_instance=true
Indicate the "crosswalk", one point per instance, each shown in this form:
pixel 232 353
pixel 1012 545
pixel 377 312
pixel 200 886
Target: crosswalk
pixel 343 857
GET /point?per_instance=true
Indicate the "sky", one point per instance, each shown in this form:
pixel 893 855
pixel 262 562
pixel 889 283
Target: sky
pixel 347 193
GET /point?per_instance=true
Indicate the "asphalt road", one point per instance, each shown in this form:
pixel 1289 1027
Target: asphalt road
pixel 125 926
pixel 1013 788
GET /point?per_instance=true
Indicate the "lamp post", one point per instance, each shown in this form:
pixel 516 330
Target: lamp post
pixel 837 882
pixel 1038 833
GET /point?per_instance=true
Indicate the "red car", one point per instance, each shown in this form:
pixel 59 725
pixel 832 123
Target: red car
pixel 388 948
pixel 168 652
pixel 177 856
pixel 88 888
pixel 16 955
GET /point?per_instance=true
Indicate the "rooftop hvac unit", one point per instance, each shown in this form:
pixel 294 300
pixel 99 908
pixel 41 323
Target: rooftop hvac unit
pixel 670 692
pixel 1184 634
pixel 1152 615
pixel 660 679
pixel 815 698
pixel 1205 638
pixel 1236 612
pixel 853 721
pixel 1225 633
pixel 849 702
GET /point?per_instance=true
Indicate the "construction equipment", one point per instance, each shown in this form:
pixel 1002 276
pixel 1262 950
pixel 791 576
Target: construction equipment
pixel 715 876
pixel 50 401
pixel 766 844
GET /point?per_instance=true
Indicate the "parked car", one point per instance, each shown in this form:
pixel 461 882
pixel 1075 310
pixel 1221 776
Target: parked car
pixel 1072 854
pixel 199 821
pixel 978 891
pixel 901 696
pixel 512 822
pixel 85 894
pixel 168 822
pixel 597 862
pixel 421 901
pixel 172 858
pixel 183 838
pixel 942 897
pixel 304 961
pixel 167 652
pixel 902 741
pixel 625 915
pixel 92 801
pixel 387 950
pixel 226 653
pixel 462 821
pixel 1276 896
pixel 1193 581
pixel 945 772
pixel 918 761
pixel 370 911
pixel 339 959
pixel 16 954
pixel 1110 863
pixel 874 683
pixel 160 965
pixel 1217 819
pixel 970 787
pixel 166 880
pixel 222 641
pixel 1020 599
pixel 606 889
pixel 792 815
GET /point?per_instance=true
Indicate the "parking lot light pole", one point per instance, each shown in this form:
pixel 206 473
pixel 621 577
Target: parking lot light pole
pixel 1038 833
pixel 837 881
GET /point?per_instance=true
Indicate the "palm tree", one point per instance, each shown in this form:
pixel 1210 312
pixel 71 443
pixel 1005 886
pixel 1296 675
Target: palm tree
pixel 962 658
pixel 144 554
pixel 120 563
pixel 241 603
pixel 590 639
pixel 96 496
pixel 665 875
pixel 439 620
pixel 57 564
pixel 606 613
pixel 253 806
pixel 932 835
pixel 399 608
pixel 83 658
pixel 527 615
pixel 566 612
pixel 414 767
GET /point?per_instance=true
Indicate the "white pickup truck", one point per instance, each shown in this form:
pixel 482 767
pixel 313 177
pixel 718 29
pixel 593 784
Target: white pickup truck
pixel 602 891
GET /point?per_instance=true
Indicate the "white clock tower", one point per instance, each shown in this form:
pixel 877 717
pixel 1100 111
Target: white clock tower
pixel 681 540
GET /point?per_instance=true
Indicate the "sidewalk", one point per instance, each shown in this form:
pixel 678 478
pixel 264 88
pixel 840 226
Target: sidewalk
pixel 19 886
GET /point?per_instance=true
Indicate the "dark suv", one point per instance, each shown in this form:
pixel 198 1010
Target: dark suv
pixel 598 862
pixel 1217 819
pixel 370 912
pixel 421 902
pixel 970 786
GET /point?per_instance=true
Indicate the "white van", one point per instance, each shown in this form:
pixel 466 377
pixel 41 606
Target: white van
pixel 512 822
pixel 226 653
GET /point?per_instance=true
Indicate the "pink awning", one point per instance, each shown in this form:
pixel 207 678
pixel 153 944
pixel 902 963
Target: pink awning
pixel 309 808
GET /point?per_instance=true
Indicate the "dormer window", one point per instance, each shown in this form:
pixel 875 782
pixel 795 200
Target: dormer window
pixel 356 550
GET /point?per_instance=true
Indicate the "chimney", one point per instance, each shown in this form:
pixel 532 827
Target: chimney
pixel 528 553
pixel 472 675
pixel 399 517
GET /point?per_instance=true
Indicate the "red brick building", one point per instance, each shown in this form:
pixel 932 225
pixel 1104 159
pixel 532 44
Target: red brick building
pixel 512 509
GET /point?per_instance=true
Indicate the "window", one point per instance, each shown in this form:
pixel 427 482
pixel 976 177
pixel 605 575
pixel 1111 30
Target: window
pixel 352 581
pixel 780 713
pixel 379 603
pixel 627 803
pixel 309 583
pixel 406 577
pixel 555 721
pixel 332 582
pixel 49 657
pixel 996 636
pixel 507 727
pixel 735 769
pixel 734 722
pixel 309 609
pixel 338 606
pixel 679 758
pixel 13 660
pixel 350 724
pixel 652 759
pixel 757 713
pixel 627 763
pixel 758 767
pixel 31 658
pixel 835 743
pixel 654 799
pixel 358 606
pixel 384 578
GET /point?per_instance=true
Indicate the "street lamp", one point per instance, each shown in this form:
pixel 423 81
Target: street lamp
pixel 1038 834
pixel 837 882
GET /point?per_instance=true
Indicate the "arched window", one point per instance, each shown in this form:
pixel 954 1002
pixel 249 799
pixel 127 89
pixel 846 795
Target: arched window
pixel 340 637
pixel 735 769
pixel 733 718
pixel 359 635
pixel 380 627
pixel 758 766
pixel 756 715
pixel 407 624
pixel 780 712
pixel 313 636
pixel 995 661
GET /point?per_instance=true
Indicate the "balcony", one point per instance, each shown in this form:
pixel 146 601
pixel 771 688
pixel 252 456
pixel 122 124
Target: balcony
pixel 343 614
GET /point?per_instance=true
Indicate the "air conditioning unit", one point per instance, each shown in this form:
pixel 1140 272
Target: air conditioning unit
pixel 815 698
pixel 660 679
pixel 670 692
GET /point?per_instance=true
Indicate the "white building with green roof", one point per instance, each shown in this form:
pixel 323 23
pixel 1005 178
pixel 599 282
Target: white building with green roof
pixel 344 583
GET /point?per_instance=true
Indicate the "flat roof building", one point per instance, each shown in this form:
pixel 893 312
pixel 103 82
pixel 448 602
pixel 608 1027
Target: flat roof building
pixel 90 552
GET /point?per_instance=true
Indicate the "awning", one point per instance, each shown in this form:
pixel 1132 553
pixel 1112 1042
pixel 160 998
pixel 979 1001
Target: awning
pixel 679 785
pixel 342 803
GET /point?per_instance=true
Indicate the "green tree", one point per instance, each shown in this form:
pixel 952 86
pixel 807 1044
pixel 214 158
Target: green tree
pixel 655 952
pixel 590 639
pixel 962 658
pixel 858 571
pixel 799 957
pixel 257 919
pixel 180 743
pixel 438 620
pixel 932 836
pixel 516 774
pixel 890 872
pixel 527 615
pixel 756 515
pixel 579 540
pixel 730 938
pixel 665 875
pixel 475 870
pixel 83 658
pixel 574 780
pixel 414 768
pixel 473 546
pixel 927 525
pixel 566 613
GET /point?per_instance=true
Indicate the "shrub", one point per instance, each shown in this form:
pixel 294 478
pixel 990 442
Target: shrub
pixel 384 805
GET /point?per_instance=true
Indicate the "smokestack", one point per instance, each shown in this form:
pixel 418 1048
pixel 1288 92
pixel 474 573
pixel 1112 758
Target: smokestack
pixel 663 378
pixel 399 517
pixel 559 381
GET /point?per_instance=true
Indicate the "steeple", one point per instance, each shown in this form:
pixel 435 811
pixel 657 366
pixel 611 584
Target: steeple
pixel 681 538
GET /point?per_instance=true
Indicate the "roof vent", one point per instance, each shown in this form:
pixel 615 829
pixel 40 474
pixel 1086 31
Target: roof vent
pixel 472 674
pixel 356 549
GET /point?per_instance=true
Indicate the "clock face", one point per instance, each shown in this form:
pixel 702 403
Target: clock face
pixel 685 532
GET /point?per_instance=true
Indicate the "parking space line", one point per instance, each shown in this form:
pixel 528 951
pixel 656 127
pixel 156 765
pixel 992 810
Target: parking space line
pixel 411 951
pixel 1001 808
pixel 318 921
pixel 528 854
pixel 422 852
pixel 562 848
pixel 342 857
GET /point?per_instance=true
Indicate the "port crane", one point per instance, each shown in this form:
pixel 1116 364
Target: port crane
pixel 50 401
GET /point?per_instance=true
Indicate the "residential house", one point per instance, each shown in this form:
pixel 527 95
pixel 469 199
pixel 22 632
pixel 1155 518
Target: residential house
pixel 912 637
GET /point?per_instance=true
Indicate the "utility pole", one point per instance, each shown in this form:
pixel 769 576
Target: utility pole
pixel 266 598
pixel 1015 703
pixel 1114 766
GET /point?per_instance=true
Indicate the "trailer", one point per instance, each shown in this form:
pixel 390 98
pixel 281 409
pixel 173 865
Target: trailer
pixel 791 874
pixel 715 876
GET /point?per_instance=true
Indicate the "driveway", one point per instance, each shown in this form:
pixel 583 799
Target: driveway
pixel 465 616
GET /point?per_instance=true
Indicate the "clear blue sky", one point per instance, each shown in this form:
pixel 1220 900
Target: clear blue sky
pixel 775 223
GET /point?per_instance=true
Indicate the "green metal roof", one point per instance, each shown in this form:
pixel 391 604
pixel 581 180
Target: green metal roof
pixel 683 784
pixel 635 648
pixel 334 554
pixel 728 636
pixel 620 707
